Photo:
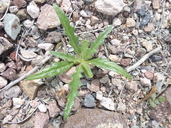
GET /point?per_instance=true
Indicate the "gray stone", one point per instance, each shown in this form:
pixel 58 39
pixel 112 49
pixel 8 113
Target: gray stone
pixel 89 101
pixel 156 58
pixel 13 92
pixel 145 20
pixel 53 37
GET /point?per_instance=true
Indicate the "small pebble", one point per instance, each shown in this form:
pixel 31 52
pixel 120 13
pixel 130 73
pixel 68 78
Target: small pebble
pixel 33 10
pixel 132 85
pixel 108 103
pixel 145 20
pixel 89 101
pixel 126 61
pixel 155 58
pixel 130 22
pixel 142 11
pixel 42 108
pixel 17 102
pixel 99 95
pixel 149 75
pixel 13 92
pixel 145 82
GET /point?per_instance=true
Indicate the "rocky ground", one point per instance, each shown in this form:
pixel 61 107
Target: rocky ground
pixel 139 42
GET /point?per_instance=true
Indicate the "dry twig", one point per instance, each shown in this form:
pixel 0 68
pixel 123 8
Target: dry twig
pixel 128 69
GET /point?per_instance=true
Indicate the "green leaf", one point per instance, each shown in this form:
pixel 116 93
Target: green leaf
pixel 152 103
pixel 156 101
pixel 54 69
pixel 161 99
pixel 63 56
pixel 85 49
pixel 153 96
pixel 69 30
pixel 74 85
pixel 87 70
pixel 108 65
pixel 99 41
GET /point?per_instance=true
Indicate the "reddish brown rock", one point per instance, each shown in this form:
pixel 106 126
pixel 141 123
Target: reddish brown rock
pixel 19 3
pixel 10 74
pixel 126 61
pixel 41 120
pixel 95 118
pixel 53 109
pixel 149 75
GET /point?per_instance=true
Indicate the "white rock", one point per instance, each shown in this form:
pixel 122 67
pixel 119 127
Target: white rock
pixel 145 81
pixel 3 5
pixel 42 108
pixel 8 118
pixel 135 32
pixel 13 9
pixel 28 23
pixel 157 77
pixel 99 95
pixel 46 46
pixel 130 22
pixel 121 107
pixel 115 42
pixel 28 54
pixel 66 6
pixel 109 7
pixel 116 22
pixel 108 103
pixel 2 67
pixel 12 25
pixel 17 102
pixel 33 10
pixel 83 13
pixel 147 44
pixel 3 82
pixel 158 16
